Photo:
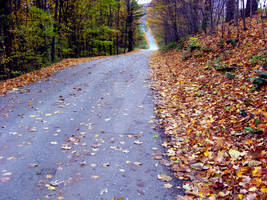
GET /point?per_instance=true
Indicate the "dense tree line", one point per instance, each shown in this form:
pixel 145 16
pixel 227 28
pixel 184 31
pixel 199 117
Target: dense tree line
pixel 171 20
pixel 35 33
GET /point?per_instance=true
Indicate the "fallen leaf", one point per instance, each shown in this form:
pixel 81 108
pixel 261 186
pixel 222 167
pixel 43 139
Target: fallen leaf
pixel 137 163
pixel 106 164
pixel 168 185
pixel 138 142
pixel 103 191
pixel 235 154
pixel 53 142
pixel 94 177
pixel 164 177
pixel 50 187
pixel 66 147
pixel 33 165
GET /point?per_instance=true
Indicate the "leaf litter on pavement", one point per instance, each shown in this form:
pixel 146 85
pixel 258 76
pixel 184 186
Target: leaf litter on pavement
pixel 216 122
pixel 31 77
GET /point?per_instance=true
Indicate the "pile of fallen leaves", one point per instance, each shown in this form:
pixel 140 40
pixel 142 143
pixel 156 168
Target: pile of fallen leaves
pixel 215 119
pixel 26 79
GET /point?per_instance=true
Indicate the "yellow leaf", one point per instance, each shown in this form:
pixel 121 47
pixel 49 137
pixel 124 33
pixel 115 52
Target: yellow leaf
pixel 240 196
pixel 206 153
pixel 264 189
pixel 239 173
pixel 50 187
pixel 66 147
pixel 48 115
pixel 53 142
pixel 255 172
pixel 94 177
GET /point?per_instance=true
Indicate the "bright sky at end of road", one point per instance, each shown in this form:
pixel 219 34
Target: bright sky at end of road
pixel 143 1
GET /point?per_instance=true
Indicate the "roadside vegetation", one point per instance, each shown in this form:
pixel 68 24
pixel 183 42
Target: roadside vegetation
pixel 35 34
pixel 211 100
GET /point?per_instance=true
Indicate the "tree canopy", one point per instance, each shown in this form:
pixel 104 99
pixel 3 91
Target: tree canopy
pixel 35 33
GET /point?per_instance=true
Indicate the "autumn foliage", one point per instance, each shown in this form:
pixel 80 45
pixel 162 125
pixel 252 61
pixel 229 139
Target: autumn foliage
pixel 216 119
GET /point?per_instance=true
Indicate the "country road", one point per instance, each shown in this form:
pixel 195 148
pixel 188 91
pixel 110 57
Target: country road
pixel 85 133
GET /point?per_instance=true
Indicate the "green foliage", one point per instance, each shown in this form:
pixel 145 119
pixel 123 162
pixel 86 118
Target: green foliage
pixel 193 44
pixel 233 42
pixel 224 68
pixel 248 129
pixel 217 60
pixel 198 53
pixel 221 44
pixel 260 58
pixel 39 36
pixel 141 42
pixel 206 49
pixel 229 75
pixel 181 44
pixel 168 47
pixel 260 80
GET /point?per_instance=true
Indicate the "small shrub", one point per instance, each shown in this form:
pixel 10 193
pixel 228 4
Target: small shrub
pixel 171 45
pixel 217 60
pixel 193 44
pixel 261 58
pixel 221 44
pixel 260 80
pixel 181 44
pixel 206 49
pixel 15 74
pixel 198 53
pixel 233 42
pixel 224 68
pixel 230 75
pixel 168 47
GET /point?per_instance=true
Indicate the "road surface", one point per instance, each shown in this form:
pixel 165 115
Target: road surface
pixel 85 133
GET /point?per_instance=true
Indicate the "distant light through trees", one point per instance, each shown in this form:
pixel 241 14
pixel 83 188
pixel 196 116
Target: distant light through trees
pixel 143 1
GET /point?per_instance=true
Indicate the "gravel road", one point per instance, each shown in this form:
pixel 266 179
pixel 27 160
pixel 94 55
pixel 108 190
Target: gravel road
pixel 85 133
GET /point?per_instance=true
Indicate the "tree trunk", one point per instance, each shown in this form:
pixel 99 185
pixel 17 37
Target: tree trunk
pixel 53 51
pixel 230 8
pixel 251 7
pixel 243 15
pixel 129 22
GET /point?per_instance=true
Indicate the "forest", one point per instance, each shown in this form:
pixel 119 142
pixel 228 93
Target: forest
pixel 172 20
pixel 36 33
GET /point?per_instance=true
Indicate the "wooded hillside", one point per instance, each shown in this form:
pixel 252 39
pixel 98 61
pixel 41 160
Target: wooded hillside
pixel 172 20
pixel 211 101
pixel 35 33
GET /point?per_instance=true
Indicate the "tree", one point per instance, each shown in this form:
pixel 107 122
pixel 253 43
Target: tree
pixel 230 10
pixel 251 7
pixel 35 33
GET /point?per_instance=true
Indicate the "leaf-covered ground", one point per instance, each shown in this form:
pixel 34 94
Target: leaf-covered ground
pixel 217 126
pixel 26 79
